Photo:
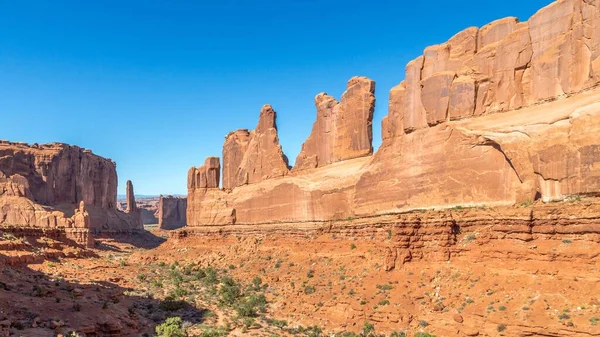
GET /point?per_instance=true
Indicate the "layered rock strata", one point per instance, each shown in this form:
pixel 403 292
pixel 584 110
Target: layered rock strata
pixel 59 186
pixel 172 212
pixel 498 115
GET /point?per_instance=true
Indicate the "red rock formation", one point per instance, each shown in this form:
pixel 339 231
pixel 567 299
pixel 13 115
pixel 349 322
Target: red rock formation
pixel 205 176
pixel 172 212
pixel 445 144
pixel 251 157
pixel 131 205
pixel 42 185
pixel 234 149
pixel 342 130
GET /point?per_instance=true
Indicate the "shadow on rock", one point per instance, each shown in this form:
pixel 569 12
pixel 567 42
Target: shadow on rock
pixel 140 239
pixel 36 304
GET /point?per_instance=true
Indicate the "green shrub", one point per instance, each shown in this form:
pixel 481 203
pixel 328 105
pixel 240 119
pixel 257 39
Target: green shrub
pixel 170 328
pixel 501 327
pixel 309 290
pixel 251 306
pixel 229 291
pixel 368 329
pixel 214 332
pixel 398 334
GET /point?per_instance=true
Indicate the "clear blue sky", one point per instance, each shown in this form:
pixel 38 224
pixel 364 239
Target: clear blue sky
pixel 155 85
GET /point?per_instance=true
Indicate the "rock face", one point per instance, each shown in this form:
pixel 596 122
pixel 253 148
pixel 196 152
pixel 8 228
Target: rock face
pixel 172 212
pixel 205 176
pixel 57 173
pixel 234 149
pixel 131 205
pixel 505 65
pixel 59 186
pixel 251 157
pixel 499 115
pixel 342 130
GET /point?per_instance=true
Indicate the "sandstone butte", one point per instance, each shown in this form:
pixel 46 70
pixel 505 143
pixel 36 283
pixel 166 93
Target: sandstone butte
pixel 62 191
pixel 499 115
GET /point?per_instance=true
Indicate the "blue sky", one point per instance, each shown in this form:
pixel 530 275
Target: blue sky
pixel 156 85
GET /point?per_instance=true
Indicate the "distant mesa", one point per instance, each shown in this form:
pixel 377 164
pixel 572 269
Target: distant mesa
pixel 62 187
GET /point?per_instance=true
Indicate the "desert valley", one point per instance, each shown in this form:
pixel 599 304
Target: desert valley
pixel 479 215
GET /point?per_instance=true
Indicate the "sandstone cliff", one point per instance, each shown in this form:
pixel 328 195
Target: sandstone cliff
pixel 342 130
pixel 251 157
pixel 497 115
pixel 59 186
pixel 171 212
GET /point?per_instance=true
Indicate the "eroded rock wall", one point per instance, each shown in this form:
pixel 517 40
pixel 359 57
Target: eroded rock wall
pixel 251 157
pixel 57 186
pixel 172 212
pixel 505 65
pixel 498 115
pixel 343 130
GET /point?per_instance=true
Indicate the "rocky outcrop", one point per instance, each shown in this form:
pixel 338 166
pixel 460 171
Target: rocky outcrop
pixel 251 157
pixel 58 173
pixel 234 149
pixel 132 208
pixel 497 115
pixel 343 130
pixel 505 65
pixel 172 212
pixel 205 176
pixel 59 186
pixel 130 197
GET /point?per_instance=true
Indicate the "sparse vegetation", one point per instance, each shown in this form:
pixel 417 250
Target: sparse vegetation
pixel 170 328
pixel 309 290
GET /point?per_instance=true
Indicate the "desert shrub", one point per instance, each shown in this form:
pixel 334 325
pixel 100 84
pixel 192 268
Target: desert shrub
pixel 368 329
pixel 211 276
pixel 501 327
pixel 398 334
pixel 251 306
pixel 170 328
pixel 212 331
pixel 309 290
pixel 229 291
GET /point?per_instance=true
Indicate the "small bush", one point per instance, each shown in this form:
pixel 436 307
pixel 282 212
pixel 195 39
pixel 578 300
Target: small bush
pixel 310 274
pixel 229 291
pixel 170 328
pixel 501 327
pixel 368 328
pixel 309 290
pixel 352 246
pixel 398 334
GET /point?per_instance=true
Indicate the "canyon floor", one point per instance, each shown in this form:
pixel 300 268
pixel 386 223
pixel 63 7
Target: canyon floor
pixel 319 283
